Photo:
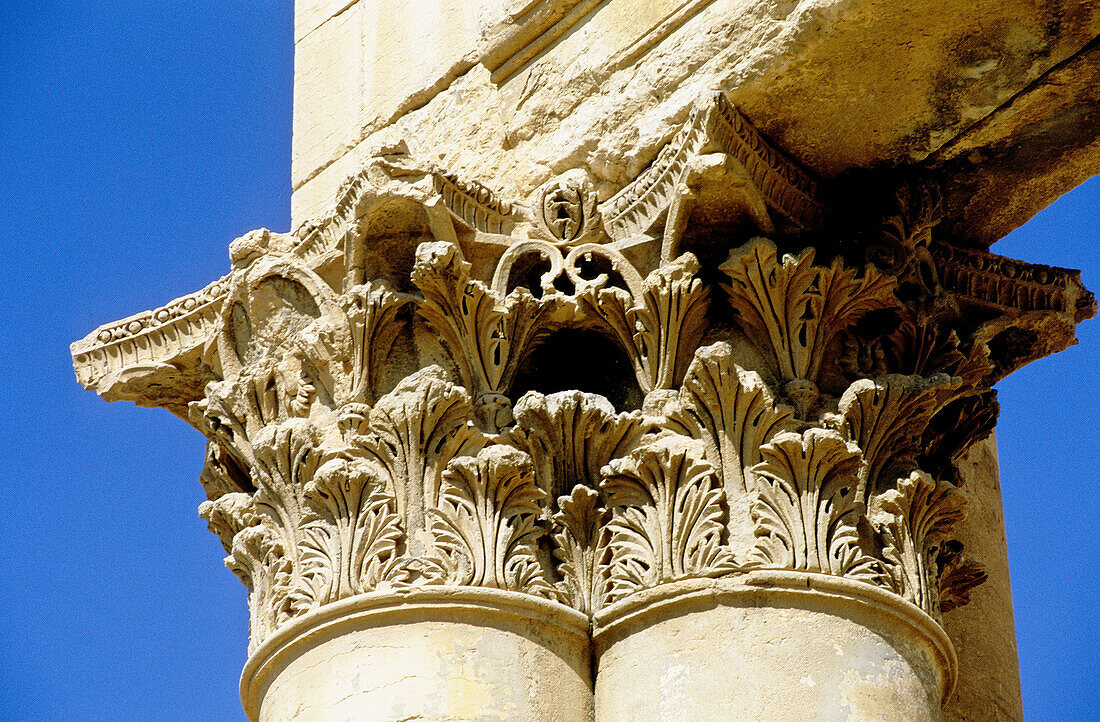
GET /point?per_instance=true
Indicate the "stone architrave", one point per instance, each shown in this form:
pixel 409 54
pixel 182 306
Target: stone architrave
pixel 660 417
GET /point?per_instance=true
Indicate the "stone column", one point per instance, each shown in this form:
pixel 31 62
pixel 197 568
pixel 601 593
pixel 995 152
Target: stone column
pixel 983 631
pixel 584 400
pixel 449 654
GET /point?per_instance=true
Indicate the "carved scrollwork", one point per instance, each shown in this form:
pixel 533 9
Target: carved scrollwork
pixel 821 436
pixel 546 252
pixel 666 517
pixel 587 252
pixel 486 335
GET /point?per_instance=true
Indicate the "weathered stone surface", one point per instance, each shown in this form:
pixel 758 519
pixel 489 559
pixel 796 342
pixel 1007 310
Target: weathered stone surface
pixel 830 654
pixel 440 656
pixel 844 85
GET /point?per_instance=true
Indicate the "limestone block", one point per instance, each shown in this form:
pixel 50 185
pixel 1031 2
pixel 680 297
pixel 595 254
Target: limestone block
pixel 1038 145
pixel 370 64
pixel 328 90
pixel 311 14
pixel 602 85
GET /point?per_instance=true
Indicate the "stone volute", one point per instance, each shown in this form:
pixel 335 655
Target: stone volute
pixel 686 446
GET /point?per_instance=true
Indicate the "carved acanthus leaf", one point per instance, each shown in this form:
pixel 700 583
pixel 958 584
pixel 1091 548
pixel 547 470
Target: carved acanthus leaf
pixel 351 539
pixel 571 436
pixel 886 417
pixel 913 521
pixel 731 410
pixel 958 576
pixel 793 310
pixel 410 435
pixel 484 527
pixel 580 545
pixel 486 335
pixel 258 558
pixel 667 516
pixel 922 349
pixel 287 457
pixel 222 473
pixel 955 429
pixel 228 515
pixel 925 348
pixel 733 413
pixel 372 310
pixel 661 327
pixel 806 510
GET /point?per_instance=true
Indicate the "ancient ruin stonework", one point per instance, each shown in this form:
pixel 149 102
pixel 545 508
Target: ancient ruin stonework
pixel 587 398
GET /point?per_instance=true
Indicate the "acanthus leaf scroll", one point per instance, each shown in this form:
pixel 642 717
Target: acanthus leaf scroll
pixel 484 527
pixel 581 548
pixel 351 539
pixel 793 309
pixel 914 521
pixel 660 327
pixel 806 511
pixel 485 334
pixel 667 517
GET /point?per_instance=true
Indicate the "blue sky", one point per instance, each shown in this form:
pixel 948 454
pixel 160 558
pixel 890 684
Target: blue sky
pixel 137 139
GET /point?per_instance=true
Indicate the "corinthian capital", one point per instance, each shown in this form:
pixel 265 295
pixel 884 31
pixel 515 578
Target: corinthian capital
pixel 435 388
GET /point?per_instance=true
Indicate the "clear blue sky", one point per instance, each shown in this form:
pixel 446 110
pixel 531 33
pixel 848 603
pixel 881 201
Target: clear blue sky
pixel 137 139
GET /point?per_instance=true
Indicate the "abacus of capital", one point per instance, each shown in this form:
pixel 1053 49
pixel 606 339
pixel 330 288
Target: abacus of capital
pixel 639 366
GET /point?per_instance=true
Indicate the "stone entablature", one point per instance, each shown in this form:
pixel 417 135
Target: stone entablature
pixel 709 375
